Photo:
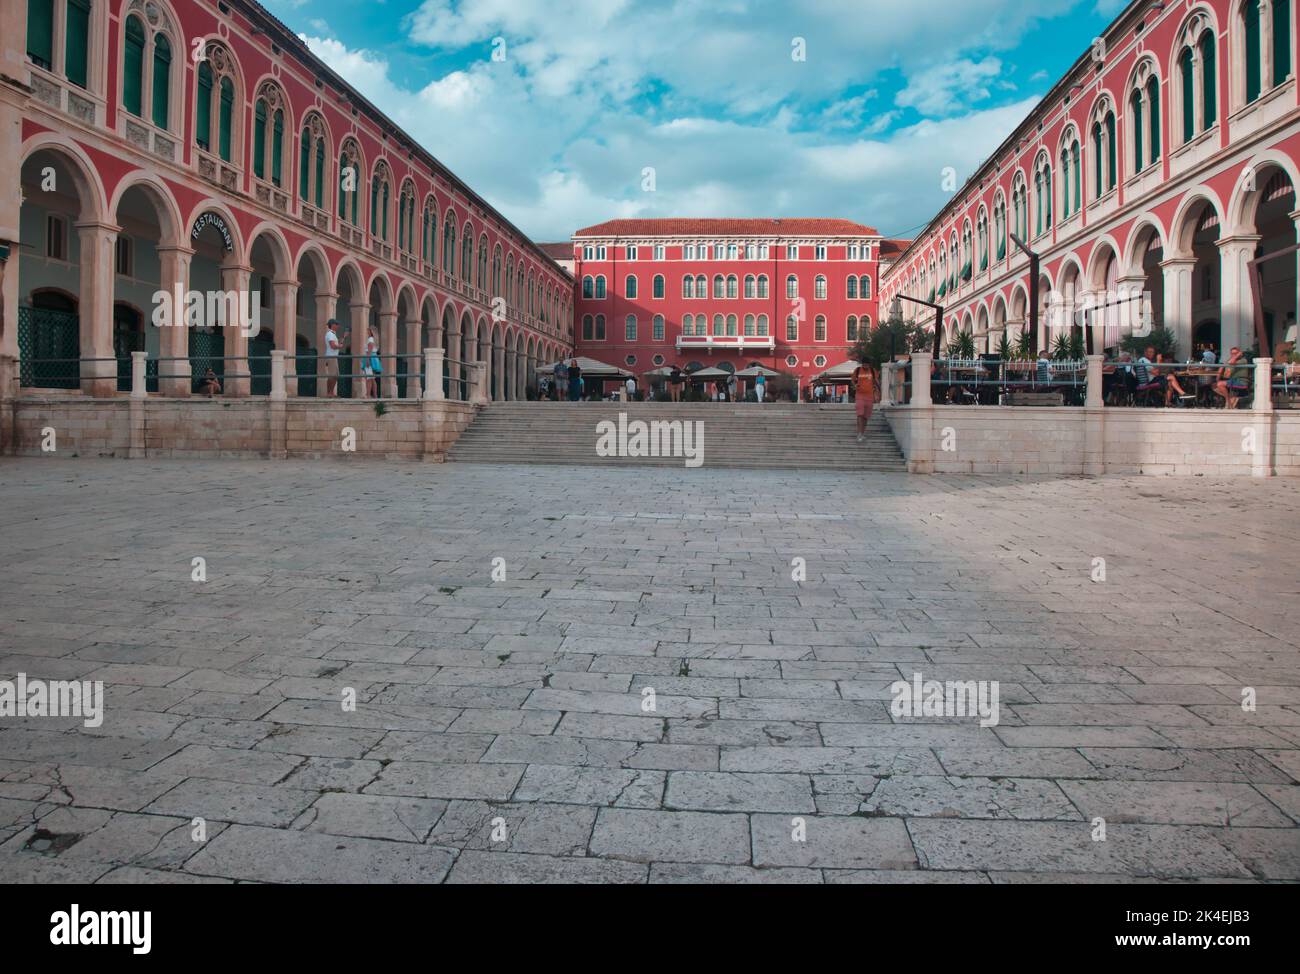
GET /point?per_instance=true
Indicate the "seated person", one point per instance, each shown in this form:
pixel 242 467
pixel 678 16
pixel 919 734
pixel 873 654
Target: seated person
pixel 210 385
pixel 1150 379
pixel 1234 378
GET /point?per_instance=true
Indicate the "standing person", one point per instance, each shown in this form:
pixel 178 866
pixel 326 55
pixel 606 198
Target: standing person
pixel 369 363
pixel 631 388
pixel 675 384
pixel 561 378
pixel 864 384
pixel 575 381
pixel 760 387
pixel 331 360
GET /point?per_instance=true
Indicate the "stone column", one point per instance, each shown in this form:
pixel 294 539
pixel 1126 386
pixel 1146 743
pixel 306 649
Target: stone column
pixel 1236 300
pixel 284 298
pixel 433 373
pixel 278 409
pixel 1178 273
pixel 175 378
pixel 359 332
pixel 479 386
pixel 235 280
pixel 1131 314
pixel 136 446
pixel 1094 421
pixel 1262 465
pixel 497 386
pixel 388 346
pixel 95 306
pixel 921 457
pixel 411 359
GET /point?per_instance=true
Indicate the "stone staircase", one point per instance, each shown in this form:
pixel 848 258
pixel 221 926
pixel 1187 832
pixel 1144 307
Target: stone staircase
pixel 748 435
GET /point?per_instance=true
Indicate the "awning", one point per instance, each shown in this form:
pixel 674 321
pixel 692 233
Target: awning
pixel 591 369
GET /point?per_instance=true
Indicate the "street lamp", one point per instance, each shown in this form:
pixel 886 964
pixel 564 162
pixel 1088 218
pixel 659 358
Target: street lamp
pixel 1033 292
pixel 896 308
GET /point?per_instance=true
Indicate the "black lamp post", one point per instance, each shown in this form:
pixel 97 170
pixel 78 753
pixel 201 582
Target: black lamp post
pixel 896 311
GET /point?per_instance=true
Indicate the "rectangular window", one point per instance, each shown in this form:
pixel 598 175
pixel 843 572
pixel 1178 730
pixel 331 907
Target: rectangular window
pixel 751 252
pixel 821 251
pixel 659 251
pixel 733 251
pixel 40 32
pixel 792 252
pixel 123 256
pixel 719 252
pixel 588 252
pixel 762 251
pixel 688 252
pixel 631 252
pixel 77 42
pixel 600 253
pixel 853 252
pixel 56 237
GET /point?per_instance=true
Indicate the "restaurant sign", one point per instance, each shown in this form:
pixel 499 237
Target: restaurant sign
pixel 216 221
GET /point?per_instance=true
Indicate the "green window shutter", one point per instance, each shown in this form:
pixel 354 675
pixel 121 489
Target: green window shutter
pixel 259 139
pixel 343 196
pixel 1211 99
pixel 1253 69
pixel 1135 103
pixel 40 32
pixel 77 42
pixel 320 173
pixel 424 237
pixel 1078 178
pixel 1110 153
pixel 1096 157
pixel 225 121
pixel 162 80
pixel 133 68
pixel 203 108
pixel 304 165
pixel 385 213
pixel 356 198
pixel 277 149
pixel 1153 99
pixel 1281 40
pixel 401 225
pixel 1189 95
pixel 374 204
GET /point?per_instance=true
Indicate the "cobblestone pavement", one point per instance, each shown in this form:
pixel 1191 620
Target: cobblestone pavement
pixel 501 729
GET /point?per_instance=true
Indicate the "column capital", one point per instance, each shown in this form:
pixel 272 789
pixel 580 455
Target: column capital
pixel 284 282
pixel 84 225
pixel 1240 239
pixel 174 250
pixel 1176 263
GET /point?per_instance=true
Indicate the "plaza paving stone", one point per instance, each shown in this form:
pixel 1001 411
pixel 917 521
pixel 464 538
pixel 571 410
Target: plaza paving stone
pixel 647 695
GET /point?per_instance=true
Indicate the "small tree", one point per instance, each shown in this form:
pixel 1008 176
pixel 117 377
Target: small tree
pixel 1161 339
pixel 962 346
pixel 1004 348
pixel 888 338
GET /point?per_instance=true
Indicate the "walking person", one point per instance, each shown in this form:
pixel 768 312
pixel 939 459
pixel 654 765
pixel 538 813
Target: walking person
pixel 331 360
pixel 760 387
pixel 675 384
pixel 630 385
pixel 561 378
pixel 864 384
pixel 575 381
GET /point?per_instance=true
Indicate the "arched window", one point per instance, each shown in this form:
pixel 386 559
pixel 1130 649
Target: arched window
pixel 406 218
pixel 819 328
pixel 629 328
pixel 1020 207
pixel 733 286
pixel 467 254
pixel 982 236
pixel 792 287
pixel 510 279
pixel 350 183
pixel 819 287
pixel 58 38
pixel 600 326
pixel 600 287
pixel 688 325
pixel 851 288
pixel 268 133
pixel 657 287
pixel 379 195
pixel 482 280
pixel 588 332
pixel 133 66
pixel 1000 227
pixel 762 326
pixel 731 325
pixel 851 329
pixel 1103 150
pixel 449 244
pixel 719 322
pixel 496 273
pixel 688 286
pixel 719 286
pixel 215 99
pixel 762 285
pixel 864 287
pixel 658 328
pixel 701 286
pixel 1042 195
pixel 751 289
pixel 312 151
pixel 791 328
pixel 429 235
pixel 629 286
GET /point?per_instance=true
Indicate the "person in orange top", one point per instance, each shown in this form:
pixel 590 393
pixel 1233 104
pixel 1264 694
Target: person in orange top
pixel 864 384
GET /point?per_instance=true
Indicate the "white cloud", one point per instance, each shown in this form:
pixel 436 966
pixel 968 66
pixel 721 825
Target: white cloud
pixel 947 89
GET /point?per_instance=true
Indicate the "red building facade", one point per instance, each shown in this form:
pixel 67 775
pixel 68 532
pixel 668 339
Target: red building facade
pixel 198 145
pixel 790 294
pixel 1151 177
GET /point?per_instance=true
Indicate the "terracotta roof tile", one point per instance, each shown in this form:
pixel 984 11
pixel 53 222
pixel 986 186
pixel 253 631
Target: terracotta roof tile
pixel 727 227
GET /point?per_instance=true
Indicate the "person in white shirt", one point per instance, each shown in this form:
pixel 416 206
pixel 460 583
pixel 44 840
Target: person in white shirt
pixel 631 388
pixel 331 360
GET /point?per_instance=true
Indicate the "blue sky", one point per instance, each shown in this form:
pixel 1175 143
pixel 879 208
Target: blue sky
pixel 584 97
